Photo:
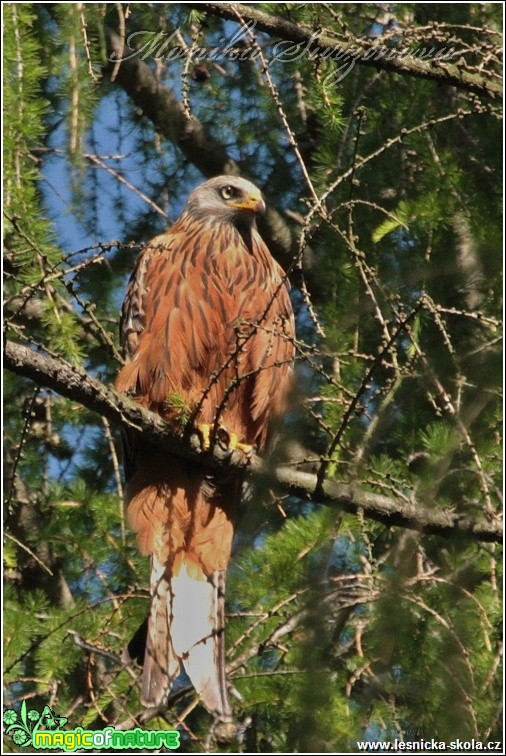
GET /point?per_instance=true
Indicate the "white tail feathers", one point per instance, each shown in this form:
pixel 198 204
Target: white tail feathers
pixel 186 626
pixel 198 635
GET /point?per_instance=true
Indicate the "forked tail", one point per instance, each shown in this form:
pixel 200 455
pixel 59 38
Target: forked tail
pixel 186 627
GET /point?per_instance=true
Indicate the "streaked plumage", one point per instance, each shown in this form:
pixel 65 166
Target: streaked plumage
pixel 207 319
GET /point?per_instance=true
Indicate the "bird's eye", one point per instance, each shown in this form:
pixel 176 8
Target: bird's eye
pixel 227 192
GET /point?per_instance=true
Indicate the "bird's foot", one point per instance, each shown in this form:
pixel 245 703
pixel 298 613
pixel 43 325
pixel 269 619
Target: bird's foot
pixel 226 441
pixel 231 441
pixel 204 431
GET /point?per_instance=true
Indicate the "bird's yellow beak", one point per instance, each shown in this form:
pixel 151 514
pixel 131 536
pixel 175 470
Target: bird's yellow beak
pixel 254 203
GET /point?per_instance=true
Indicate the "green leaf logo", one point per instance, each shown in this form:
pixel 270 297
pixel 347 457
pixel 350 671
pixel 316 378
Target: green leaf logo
pixel 22 726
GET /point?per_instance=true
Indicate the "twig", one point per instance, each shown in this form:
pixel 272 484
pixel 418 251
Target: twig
pixel 117 475
pixel 119 177
pixel 84 30
pixel 28 551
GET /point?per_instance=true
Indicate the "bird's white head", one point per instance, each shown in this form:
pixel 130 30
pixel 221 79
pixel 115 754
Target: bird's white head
pixel 226 198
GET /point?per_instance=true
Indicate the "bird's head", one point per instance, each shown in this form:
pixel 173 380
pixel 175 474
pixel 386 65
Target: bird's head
pixel 226 198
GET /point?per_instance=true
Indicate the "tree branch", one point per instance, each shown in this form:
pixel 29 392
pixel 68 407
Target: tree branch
pixel 356 49
pixel 77 385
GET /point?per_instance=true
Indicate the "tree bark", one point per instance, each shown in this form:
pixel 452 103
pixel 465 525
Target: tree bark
pixel 77 385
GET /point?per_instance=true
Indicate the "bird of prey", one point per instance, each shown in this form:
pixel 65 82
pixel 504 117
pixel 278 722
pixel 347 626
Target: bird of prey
pixel 207 331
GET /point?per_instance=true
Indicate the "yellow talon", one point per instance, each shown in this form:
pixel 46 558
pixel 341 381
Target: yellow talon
pixel 228 440
pixel 245 448
pixel 204 430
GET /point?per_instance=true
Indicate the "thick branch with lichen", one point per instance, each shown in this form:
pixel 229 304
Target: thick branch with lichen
pixel 76 384
pixel 348 50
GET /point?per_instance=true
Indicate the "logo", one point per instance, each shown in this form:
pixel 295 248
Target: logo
pixel 43 731
pixel 24 726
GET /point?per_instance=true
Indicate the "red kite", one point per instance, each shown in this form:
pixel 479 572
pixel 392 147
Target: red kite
pixel 207 330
